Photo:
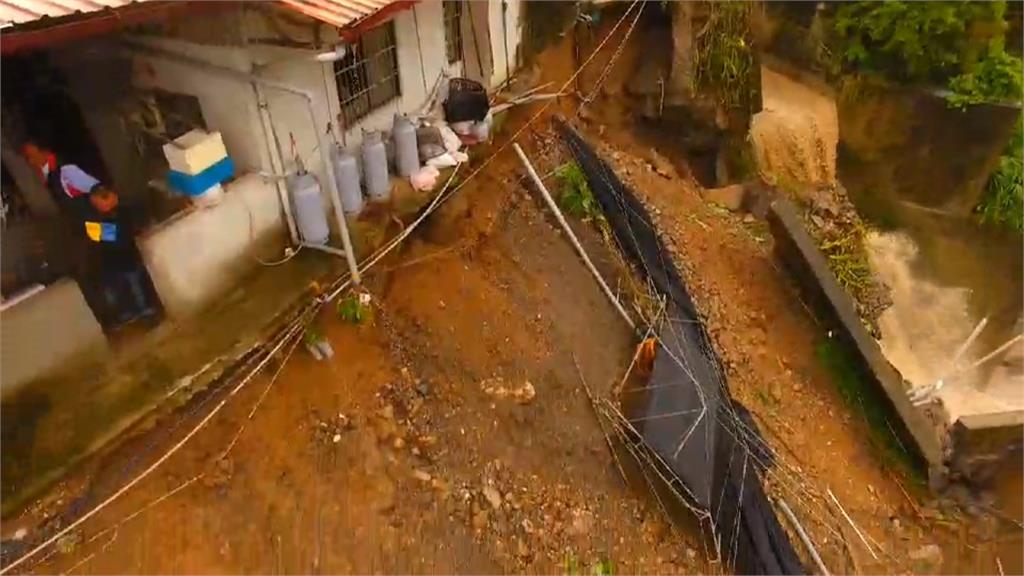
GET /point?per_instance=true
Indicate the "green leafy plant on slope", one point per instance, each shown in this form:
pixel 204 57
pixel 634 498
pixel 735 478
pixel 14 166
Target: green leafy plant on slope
pixel 351 310
pixel 1003 202
pixel 958 43
pixel 724 56
pixel 575 195
pixel 916 41
pixel 997 77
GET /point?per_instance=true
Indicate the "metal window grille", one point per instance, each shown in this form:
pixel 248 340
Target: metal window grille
pixel 368 75
pixel 453 30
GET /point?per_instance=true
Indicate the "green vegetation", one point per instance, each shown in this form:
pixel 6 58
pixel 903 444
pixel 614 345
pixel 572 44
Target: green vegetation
pixel 575 195
pixel 602 567
pixel 848 260
pixel 724 57
pixel 997 77
pixel 959 44
pixel 352 310
pixel 916 41
pixel 865 399
pixel 311 336
pixel 1003 202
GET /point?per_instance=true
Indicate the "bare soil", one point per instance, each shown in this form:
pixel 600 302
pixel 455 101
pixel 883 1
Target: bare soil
pixel 398 456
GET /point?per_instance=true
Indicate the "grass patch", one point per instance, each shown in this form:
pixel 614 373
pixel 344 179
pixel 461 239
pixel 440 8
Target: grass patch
pixel 575 196
pixel 848 259
pixel 766 399
pixel 723 55
pixel 863 398
pixel 1003 203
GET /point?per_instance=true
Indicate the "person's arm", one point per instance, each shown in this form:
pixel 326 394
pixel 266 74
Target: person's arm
pixel 77 182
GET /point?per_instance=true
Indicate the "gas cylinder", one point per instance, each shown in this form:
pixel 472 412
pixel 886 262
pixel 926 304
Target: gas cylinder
pixel 407 156
pixel 375 167
pixel 308 207
pixel 347 173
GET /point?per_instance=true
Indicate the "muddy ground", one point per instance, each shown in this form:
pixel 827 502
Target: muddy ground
pixel 398 455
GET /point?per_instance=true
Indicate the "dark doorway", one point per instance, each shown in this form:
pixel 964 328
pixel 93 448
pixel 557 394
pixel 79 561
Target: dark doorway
pixel 38 107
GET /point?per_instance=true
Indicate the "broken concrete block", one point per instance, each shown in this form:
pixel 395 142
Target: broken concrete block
pixel 730 197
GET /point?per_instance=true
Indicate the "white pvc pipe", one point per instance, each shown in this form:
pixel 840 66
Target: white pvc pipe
pixel 323 248
pixel 276 162
pixel 803 536
pixel 572 236
pixel 994 353
pixel 325 156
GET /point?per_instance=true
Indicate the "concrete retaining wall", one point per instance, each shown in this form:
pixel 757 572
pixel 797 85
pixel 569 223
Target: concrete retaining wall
pixel 45 333
pixel 198 256
pixel 800 254
pixel 983 442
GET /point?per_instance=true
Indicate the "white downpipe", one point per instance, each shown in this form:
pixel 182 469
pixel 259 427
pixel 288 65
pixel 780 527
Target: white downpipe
pixel 276 163
pixel 226 72
pixel 572 236
pixel 323 248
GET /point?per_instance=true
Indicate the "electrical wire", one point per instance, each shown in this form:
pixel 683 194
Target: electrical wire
pixel 145 473
pixel 298 323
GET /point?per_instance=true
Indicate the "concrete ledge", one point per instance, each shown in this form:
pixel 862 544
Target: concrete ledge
pixel 198 256
pixel 799 253
pixel 982 442
pixel 47 332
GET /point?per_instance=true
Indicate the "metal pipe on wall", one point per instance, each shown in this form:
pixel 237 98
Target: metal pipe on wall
pixel 247 78
pixel 276 161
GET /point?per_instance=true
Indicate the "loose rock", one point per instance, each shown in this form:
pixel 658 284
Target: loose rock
pixel 730 197
pixel 492 496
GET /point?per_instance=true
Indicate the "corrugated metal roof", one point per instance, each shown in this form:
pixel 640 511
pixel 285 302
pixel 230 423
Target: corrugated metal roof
pixel 22 11
pixel 340 13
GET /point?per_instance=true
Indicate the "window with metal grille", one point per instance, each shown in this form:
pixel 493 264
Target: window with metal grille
pixel 368 75
pixel 453 30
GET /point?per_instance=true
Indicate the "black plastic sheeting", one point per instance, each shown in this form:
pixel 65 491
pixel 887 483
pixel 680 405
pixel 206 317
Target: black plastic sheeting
pixel 707 439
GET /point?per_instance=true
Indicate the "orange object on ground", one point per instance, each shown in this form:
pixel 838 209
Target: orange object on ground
pixel 645 353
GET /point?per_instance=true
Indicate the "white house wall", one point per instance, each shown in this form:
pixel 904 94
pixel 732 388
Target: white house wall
pixel 46 333
pixel 412 76
pixel 228 105
pixel 509 10
pixel 289 112
pixel 212 244
pixel 196 257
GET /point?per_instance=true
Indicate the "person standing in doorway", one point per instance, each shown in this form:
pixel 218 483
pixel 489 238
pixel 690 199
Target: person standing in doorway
pixel 111 240
pixel 69 185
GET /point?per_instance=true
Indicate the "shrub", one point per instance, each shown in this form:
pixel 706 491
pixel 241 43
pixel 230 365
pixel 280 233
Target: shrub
pixel 576 197
pixel 1003 202
pixel 997 77
pixel 916 41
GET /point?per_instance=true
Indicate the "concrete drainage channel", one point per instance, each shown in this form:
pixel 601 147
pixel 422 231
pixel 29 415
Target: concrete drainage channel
pixel 966 448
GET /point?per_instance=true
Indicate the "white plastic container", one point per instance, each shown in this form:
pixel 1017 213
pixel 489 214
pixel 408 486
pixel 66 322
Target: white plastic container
pixel 210 197
pixel 195 151
pixel 482 129
pixel 308 208
pixel 407 156
pixel 375 167
pixel 347 173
